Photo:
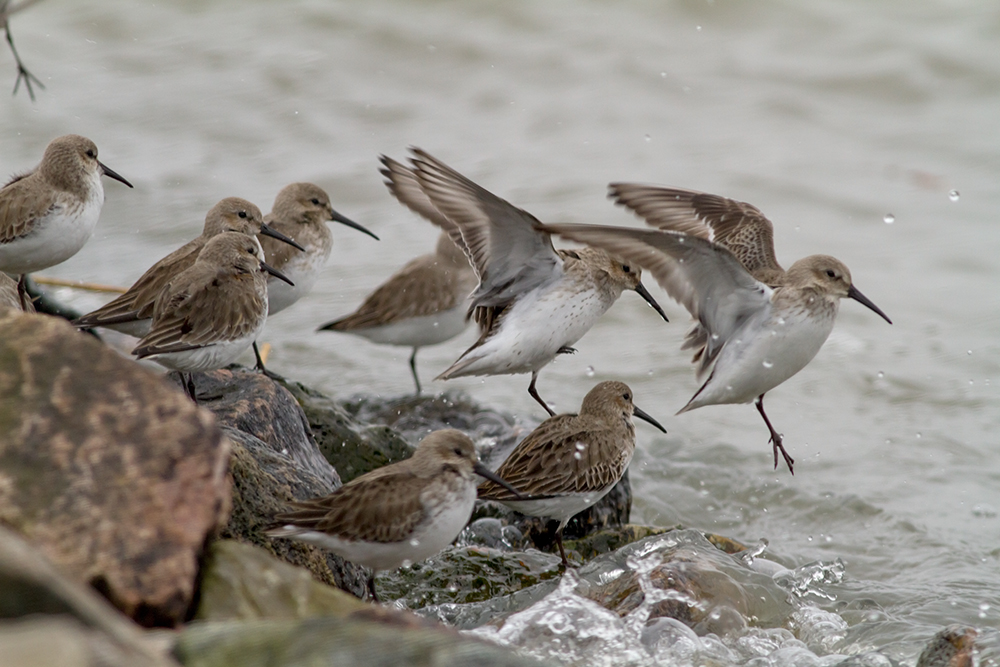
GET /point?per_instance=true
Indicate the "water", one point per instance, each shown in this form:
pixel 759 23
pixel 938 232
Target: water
pixel 826 115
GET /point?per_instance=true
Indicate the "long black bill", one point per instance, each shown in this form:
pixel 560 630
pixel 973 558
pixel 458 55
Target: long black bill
pixel 350 223
pixel 646 418
pixel 276 273
pixel 111 173
pixel 644 293
pixel 853 293
pixel 268 230
pixel 483 471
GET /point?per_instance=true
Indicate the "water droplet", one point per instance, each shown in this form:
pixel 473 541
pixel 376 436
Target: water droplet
pixel 414 542
pixel 969 352
pixel 953 195
pixel 919 435
pixel 663 75
pixel 589 371
pixel 715 336
pixel 880 375
pixel 698 28
pixel 580 446
pixel 577 456
pixel 972 382
pixel 767 364
pixel 436 325
pixel 888 218
pixel 648 138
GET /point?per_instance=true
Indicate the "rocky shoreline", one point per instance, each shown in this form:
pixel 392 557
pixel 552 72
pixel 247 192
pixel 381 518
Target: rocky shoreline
pixel 131 530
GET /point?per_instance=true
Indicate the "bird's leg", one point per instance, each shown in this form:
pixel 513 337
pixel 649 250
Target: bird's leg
pixel 413 369
pixel 775 437
pixel 22 71
pixel 371 587
pixel 562 551
pixel 22 291
pixel 260 364
pixel 189 386
pixel 566 349
pixel 534 394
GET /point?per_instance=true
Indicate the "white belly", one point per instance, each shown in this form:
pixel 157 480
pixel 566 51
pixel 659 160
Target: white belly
pixel 418 331
pixel 561 508
pixel 534 329
pixel 208 358
pixel 302 269
pixel 54 239
pixel 760 357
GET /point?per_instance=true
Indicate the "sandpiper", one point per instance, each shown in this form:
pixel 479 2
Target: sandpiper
pixel 132 312
pixel 301 211
pixel 757 325
pixel 571 461
pixel 405 511
pixel 49 213
pixel 533 302
pixel 209 314
pixel 424 303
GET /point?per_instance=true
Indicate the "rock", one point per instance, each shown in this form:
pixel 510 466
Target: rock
pixel 111 472
pixel 954 646
pixel 255 404
pixel 264 480
pixel 692 578
pixel 242 582
pixel 352 447
pixel 334 641
pixel 50 620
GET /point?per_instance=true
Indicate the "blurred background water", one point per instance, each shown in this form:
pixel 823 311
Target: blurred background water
pixel 869 131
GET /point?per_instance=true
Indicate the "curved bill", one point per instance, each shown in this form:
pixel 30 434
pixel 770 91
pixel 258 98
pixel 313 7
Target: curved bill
pixel 268 230
pixel 644 293
pixel 646 418
pixel 111 173
pixel 853 293
pixel 483 471
pixel 276 273
pixel 350 223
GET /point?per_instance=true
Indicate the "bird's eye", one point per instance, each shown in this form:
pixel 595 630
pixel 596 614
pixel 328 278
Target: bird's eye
pixel 315 202
pixel 457 450
pixel 626 268
pixel 627 397
pixel 830 273
pixel 242 214
pixel 91 153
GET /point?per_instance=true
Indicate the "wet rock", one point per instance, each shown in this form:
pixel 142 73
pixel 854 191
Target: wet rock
pixel 111 472
pixel 691 579
pixel 952 647
pixel 351 446
pixel 608 540
pixel 333 641
pixel 242 582
pixel 253 403
pixel 47 619
pixel 264 480
pixel 467 574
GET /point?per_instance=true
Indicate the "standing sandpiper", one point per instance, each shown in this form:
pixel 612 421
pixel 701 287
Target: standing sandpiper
pixel 301 211
pixel 757 325
pixel 571 461
pixel 425 302
pixel 49 213
pixel 209 314
pixel 533 302
pixel 403 512
pixel 132 312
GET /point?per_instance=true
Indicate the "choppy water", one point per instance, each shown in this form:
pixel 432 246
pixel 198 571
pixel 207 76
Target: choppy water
pixel 833 117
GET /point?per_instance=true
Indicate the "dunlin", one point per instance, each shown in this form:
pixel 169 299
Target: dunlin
pixel 405 511
pixel 132 312
pixel 423 303
pixel 571 461
pixel 533 302
pixel 49 213
pixel 757 325
pixel 209 314
pixel 301 211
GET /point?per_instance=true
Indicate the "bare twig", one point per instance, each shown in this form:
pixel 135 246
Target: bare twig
pixel 22 72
